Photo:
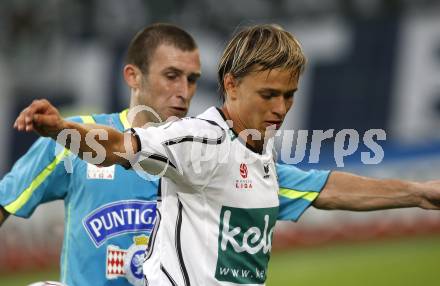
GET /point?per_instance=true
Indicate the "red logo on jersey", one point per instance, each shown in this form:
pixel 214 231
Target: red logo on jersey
pixel 244 183
pixel 243 170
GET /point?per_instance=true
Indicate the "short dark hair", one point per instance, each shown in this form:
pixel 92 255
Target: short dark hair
pixel 146 41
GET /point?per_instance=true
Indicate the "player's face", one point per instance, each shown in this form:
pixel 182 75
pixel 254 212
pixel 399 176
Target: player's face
pixel 171 81
pixel 264 98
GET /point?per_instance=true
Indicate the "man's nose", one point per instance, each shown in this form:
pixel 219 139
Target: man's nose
pixel 279 106
pixel 184 88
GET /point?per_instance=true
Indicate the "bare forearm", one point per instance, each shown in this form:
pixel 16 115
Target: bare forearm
pixel 97 144
pixel 346 191
pixel 91 140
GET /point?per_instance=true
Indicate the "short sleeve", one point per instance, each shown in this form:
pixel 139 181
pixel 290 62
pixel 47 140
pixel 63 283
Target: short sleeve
pixel 184 150
pixel 298 189
pixel 37 177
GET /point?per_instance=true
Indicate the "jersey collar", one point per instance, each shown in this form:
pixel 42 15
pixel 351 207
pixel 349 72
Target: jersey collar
pixel 124 120
pixel 217 115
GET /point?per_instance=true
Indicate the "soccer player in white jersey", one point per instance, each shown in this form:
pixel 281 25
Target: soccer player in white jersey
pixel 219 190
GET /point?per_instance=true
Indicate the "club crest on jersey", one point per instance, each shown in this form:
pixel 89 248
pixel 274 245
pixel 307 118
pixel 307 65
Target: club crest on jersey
pixel 127 263
pixel 119 218
pixel 243 183
pixel 100 173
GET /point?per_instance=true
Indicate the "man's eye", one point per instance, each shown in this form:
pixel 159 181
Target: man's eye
pixel 268 95
pixel 171 76
pixel 192 79
pixel 289 95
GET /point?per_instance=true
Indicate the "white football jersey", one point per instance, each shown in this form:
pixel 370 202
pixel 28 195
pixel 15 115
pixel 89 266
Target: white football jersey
pixel 217 204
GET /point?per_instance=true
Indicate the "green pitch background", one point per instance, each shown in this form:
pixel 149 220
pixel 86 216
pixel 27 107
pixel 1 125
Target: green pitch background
pixel 388 263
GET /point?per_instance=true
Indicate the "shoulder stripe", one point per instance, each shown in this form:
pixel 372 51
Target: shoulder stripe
pixel 87 119
pixel 202 140
pixel 158 157
pixel 210 122
pixel 294 194
pixel 24 197
pixel 124 120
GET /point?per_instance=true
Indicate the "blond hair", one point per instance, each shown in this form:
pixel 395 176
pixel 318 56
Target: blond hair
pixel 260 48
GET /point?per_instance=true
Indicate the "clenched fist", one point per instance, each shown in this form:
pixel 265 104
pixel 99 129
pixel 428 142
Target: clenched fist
pixel 42 117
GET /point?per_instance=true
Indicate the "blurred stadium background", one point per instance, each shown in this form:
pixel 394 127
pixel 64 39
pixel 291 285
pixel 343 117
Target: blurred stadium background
pixel 372 65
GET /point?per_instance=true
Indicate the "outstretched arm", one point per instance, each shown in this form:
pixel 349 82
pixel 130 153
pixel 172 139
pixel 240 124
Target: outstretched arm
pixel 45 119
pixel 345 191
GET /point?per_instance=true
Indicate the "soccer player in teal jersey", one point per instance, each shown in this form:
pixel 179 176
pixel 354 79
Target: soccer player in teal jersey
pixel 109 211
pixel 211 231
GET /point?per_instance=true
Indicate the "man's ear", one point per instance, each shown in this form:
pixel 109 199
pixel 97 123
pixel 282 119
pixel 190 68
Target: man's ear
pixel 230 84
pixel 132 76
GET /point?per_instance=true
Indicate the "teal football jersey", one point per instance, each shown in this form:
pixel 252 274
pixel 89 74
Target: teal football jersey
pixel 110 211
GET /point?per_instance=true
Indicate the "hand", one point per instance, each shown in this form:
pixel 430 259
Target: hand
pixel 431 195
pixel 41 117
